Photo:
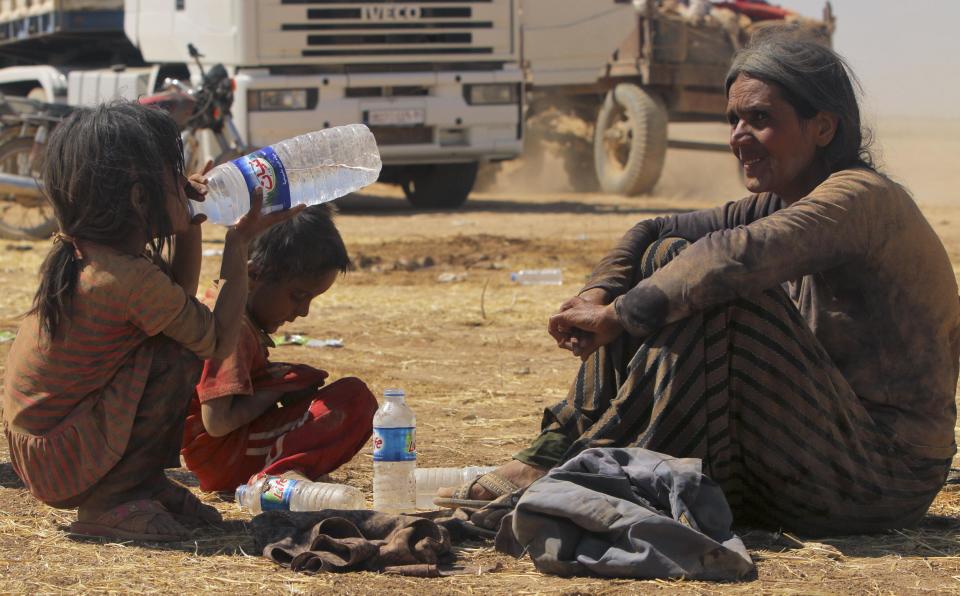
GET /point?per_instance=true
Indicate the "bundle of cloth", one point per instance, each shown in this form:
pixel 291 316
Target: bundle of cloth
pixel 627 512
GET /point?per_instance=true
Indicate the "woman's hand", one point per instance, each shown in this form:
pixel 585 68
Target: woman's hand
pixel 255 222
pixel 582 326
pixel 596 296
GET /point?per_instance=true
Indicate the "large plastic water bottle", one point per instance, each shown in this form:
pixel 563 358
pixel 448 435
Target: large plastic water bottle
pixel 306 170
pixel 431 479
pixel 538 277
pixel 394 455
pixel 274 492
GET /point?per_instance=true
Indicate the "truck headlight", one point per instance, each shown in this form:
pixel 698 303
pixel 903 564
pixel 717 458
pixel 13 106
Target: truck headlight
pixel 281 100
pixel 491 94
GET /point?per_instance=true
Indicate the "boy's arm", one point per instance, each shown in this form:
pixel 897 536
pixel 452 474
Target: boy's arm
pixel 228 397
pixel 225 414
pixel 233 270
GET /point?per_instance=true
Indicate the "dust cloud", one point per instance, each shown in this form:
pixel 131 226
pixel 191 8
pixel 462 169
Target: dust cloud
pixel 922 154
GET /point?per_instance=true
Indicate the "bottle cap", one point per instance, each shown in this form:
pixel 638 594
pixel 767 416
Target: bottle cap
pixel 394 393
pixel 513 276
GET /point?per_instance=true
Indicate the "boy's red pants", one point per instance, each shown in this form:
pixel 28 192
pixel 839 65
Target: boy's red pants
pixel 314 436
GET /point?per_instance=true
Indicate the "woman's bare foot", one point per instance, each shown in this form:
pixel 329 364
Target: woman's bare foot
pixel 517 472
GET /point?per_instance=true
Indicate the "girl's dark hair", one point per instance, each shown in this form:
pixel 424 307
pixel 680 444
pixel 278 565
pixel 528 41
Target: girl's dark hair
pixel 812 78
pixel 98 163
pixel 306 245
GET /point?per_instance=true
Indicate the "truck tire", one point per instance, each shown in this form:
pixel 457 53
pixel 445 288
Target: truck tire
pixel 23 218
pixel 441 186
pixel 630 140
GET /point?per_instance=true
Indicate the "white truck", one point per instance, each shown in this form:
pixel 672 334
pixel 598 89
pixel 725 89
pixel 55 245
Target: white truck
pixel 438 81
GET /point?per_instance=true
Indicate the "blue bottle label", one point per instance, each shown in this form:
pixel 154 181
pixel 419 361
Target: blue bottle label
pixel 394 444
pixel 263 168
pixel 277 494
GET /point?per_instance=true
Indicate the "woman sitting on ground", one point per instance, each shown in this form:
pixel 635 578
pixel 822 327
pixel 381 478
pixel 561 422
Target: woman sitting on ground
pixel 803 342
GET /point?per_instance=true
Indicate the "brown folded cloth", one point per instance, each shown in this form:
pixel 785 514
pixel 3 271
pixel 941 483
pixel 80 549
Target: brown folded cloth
pixel 334 540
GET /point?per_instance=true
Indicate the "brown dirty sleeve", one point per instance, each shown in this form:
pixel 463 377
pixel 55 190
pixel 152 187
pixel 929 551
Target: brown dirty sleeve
pixel 834 223
pixel 617 272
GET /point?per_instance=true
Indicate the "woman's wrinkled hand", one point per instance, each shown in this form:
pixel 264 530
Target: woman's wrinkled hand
pixel 582 326
pixel 255 222
pixel 597 296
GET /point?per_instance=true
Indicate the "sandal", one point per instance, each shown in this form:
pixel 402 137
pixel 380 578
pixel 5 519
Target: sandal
pixel 179 501
pixel 131 521
pixel 491 481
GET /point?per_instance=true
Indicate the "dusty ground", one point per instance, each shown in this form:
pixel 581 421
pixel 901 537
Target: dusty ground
pixel 478 368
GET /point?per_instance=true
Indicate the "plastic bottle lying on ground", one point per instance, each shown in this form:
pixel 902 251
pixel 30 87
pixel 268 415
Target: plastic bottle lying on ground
pixel 309 169
pixel 276 493
pixel 538 277
pixel 431 479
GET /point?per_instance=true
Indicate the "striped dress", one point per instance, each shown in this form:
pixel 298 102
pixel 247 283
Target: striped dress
pixel 808 353
pixel 70 404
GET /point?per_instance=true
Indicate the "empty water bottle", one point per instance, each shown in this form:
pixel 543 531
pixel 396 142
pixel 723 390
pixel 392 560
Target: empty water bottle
pixel 431 479
pixel 394 455
pixel 538 277
pixel 270 493
pixel 306 170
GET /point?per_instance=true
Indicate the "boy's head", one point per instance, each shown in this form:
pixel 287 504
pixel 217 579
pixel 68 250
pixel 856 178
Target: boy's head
pixel 291 264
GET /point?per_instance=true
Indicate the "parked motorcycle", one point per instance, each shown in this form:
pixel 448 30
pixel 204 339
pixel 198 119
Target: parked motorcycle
pixel 25 213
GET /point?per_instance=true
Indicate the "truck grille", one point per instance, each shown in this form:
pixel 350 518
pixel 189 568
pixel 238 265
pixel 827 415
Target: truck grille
pixel 402 135
pixel 364 31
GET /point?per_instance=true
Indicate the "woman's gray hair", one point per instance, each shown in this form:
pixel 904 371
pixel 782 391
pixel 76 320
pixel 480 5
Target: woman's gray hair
pixel 812 78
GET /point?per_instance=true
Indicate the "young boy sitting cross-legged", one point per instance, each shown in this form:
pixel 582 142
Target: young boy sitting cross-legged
pixel 252 416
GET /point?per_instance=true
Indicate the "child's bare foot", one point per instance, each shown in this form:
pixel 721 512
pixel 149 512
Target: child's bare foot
pixel 514 472
pixel 142 520
pixel 178 499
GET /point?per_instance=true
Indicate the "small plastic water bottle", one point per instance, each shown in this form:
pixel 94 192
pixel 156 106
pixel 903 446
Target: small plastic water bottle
pixel 309 169
pixel 394 455
pixel 431 479
pixel 270 493
pixel 538 277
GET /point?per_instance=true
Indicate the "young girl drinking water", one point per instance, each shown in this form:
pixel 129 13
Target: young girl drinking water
pixel 102 371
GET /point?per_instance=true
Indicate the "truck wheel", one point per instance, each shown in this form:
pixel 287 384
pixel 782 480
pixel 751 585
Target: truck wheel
pixel 441 186
pixel 23 218
pixel 630 140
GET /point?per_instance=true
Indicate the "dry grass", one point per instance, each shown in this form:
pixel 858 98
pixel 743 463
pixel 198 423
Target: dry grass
pixel 478 367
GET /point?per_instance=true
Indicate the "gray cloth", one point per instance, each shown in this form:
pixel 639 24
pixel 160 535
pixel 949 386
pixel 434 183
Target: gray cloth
pixel 627 513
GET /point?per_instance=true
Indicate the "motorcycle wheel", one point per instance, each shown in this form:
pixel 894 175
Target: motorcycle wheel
pixel 23 218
